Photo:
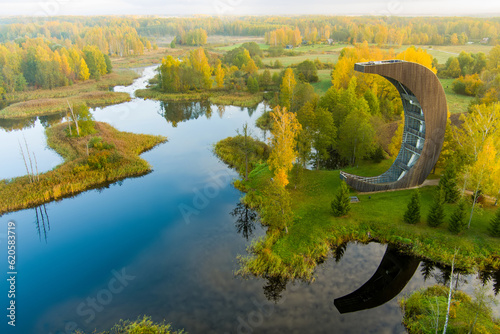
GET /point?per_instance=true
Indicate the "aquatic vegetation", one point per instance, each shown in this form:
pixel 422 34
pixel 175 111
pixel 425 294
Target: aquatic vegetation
pixel 90 161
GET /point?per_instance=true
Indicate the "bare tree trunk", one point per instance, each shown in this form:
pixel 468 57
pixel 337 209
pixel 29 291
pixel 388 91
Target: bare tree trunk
pixel 69 124
pixel 474 323
pixel 25 164
pixel 437 316
pixel 473 205
pixel 29 157
pixel 449 293
pixel 36 166
pixel 74 119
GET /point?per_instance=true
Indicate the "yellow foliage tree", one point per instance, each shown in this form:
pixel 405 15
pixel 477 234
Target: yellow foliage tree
pixel 483 172
pixel 418 56
pixel 250 67
pixel 219 75
pixel 200 63
pixel 84 73
pixel 287 86
pixel 283 144
pixel 397 139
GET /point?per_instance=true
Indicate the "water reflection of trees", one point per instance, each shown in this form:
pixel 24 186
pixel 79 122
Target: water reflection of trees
pixel 441 274
pixel 29 122
pixel 42 222
pixel 49 120
pixel 491 275
pixel 177 112
pixel 339 252
pixel 246 219
pixel 274 288
pixel 17 124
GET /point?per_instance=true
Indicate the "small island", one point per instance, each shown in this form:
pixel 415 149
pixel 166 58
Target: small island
pixel 94 155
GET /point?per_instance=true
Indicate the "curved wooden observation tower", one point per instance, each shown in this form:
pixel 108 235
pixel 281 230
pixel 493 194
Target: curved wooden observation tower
pixel 425 112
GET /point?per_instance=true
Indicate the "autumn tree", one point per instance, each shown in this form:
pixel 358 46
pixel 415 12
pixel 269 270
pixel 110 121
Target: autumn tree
pixel 356 136
pixel 287 86
pixel 283 144
pixel 397 139
pixel 307 71
pixel 277 207
pixel 250 67
pixel 83 72
pixel 199 62
pixel 483 174
pixel 476 140
pixel 219 75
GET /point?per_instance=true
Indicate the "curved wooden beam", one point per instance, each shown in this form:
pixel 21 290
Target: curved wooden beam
pixel 425 111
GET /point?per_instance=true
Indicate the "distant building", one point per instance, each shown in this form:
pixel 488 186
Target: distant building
pixel 485 40
pixel 330 41
pixel 289 46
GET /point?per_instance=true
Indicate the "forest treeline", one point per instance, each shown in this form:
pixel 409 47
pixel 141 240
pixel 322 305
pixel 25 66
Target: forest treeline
pixel 38 63
pixel 380 30
pixel 376 29
pixel 54 54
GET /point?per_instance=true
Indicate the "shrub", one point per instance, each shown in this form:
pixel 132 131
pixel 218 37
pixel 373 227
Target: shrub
pixel 457 219
pixel 494 228
pixel 412 214
pixel 436 215
pixel 341 205
pixel 448 183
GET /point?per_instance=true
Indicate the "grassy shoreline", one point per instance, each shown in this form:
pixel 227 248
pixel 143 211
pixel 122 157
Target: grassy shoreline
pixel 79 172
pixel 43 102
pixel 240 99
pixel 315 233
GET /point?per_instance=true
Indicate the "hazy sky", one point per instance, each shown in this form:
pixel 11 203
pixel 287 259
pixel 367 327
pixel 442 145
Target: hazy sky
pixel 251 7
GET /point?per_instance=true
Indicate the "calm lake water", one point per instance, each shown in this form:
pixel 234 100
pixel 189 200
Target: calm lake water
pixel 166 244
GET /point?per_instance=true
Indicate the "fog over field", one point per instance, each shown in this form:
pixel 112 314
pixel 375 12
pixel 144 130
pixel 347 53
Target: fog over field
pixel 250 7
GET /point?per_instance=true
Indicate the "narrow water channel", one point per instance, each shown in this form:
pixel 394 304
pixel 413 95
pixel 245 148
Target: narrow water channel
pixel 166 244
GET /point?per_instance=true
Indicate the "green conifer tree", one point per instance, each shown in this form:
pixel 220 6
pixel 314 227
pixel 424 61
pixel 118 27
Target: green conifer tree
pixel 341 204
pixel 448 183
pixel 436 215
pixel 412 214
pixel 494 229
pixel 457 219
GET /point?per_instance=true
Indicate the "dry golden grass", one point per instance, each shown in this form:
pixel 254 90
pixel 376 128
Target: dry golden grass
pixel 76 174
pixel 49 101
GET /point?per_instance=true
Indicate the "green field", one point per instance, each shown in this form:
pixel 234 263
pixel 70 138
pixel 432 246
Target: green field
pixel 378 216
pixel 292 60
pixel 456 103
pixel 442 53
pixel 325 81
pixel 230 47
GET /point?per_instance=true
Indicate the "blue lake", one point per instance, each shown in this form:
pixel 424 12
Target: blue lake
pixel 166 244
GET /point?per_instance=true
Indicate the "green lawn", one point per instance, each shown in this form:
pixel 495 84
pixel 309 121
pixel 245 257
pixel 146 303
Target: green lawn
pixel 325 81
pixel 226 48
pixel 442 53
pixel 456 103
pixel 289 60
pixel 378 216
